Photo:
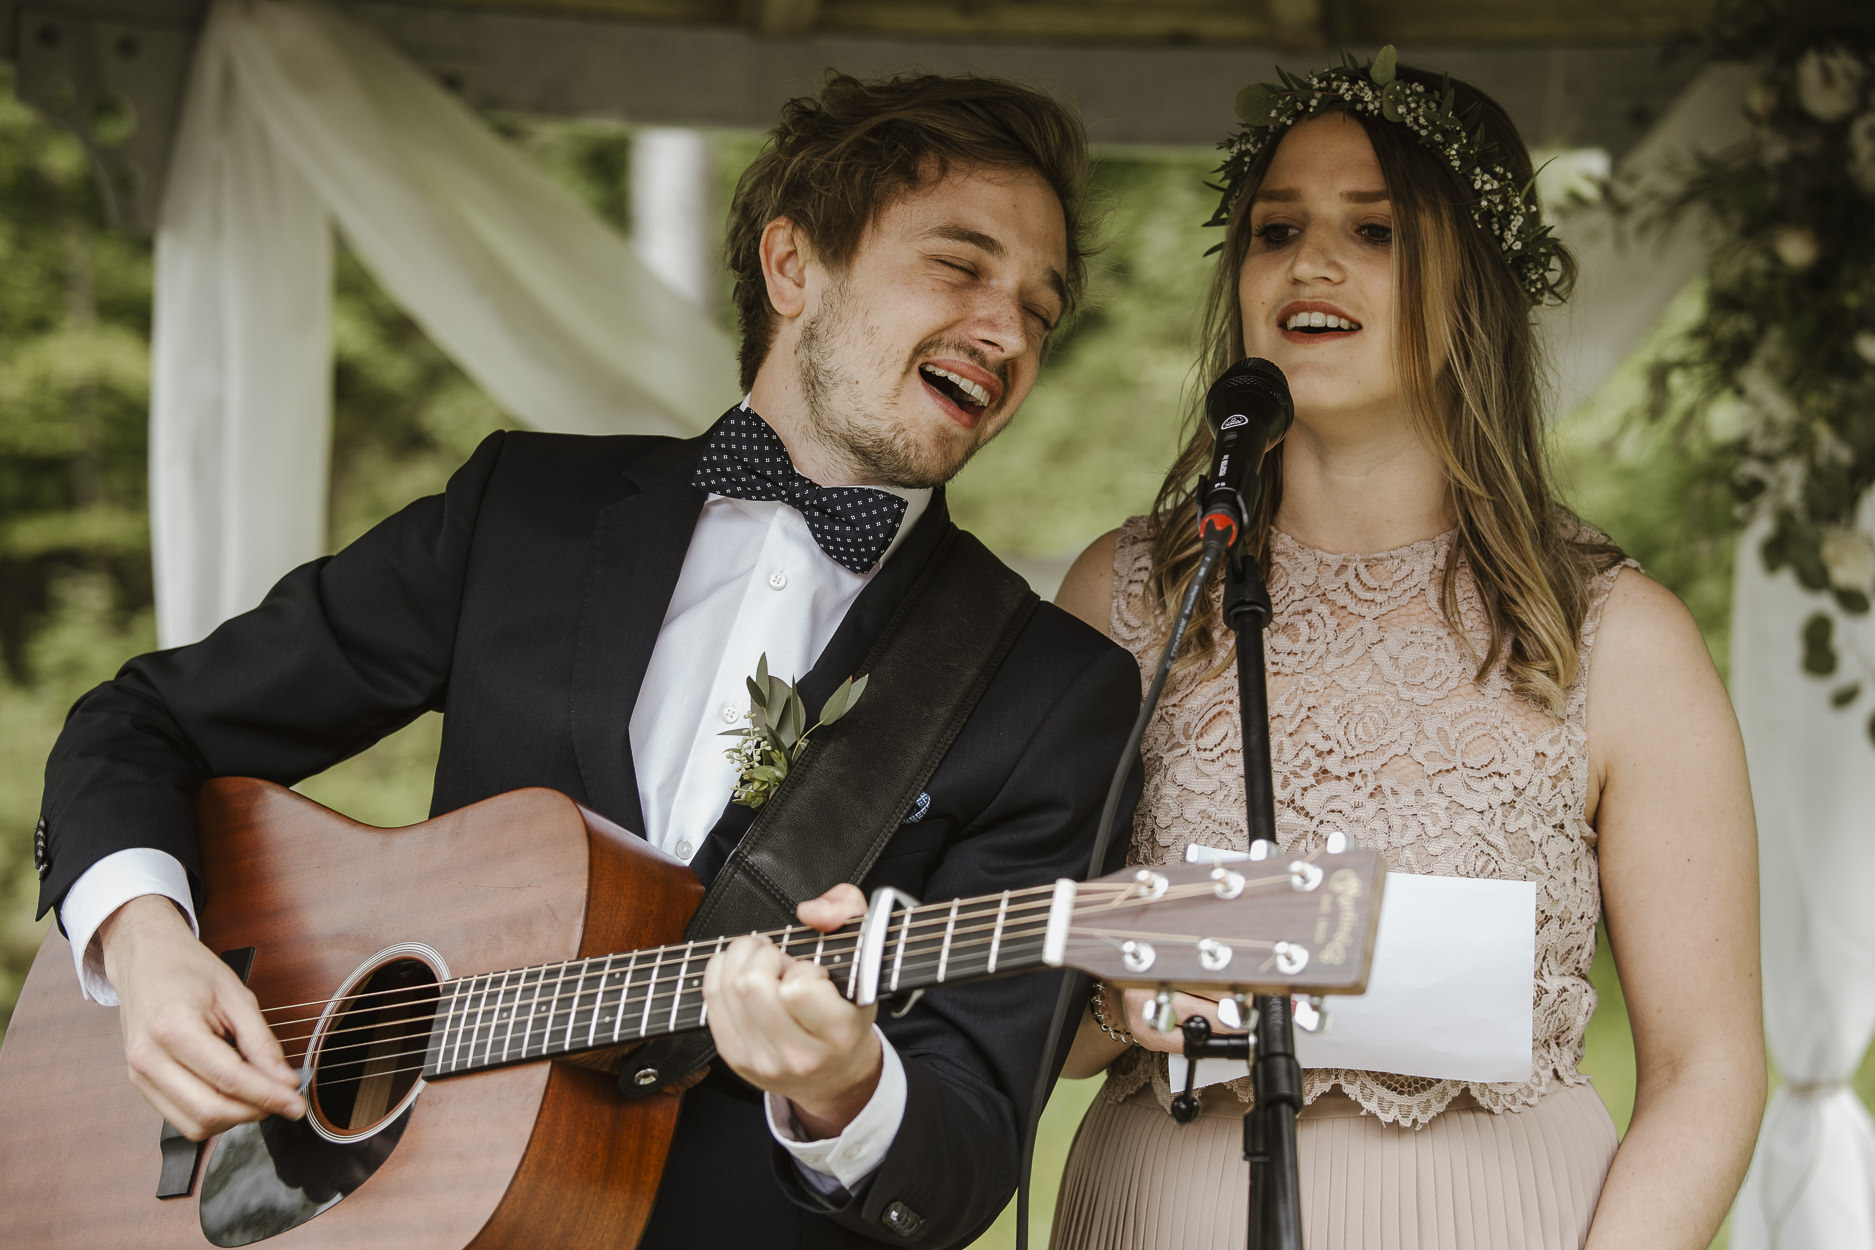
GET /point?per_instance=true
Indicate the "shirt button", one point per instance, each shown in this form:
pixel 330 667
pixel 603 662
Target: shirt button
pixel 729 713
pixel 684 849
pixel 778 580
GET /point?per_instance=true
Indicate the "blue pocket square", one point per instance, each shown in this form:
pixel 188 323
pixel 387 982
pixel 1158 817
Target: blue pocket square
pixel 918 809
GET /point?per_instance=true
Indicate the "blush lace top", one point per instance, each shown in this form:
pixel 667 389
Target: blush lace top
pixel 1378 729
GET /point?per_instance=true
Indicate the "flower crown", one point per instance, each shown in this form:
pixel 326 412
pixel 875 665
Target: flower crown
pixel 1502 207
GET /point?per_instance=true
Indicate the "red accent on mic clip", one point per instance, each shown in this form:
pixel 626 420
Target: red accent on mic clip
pixel 1221 522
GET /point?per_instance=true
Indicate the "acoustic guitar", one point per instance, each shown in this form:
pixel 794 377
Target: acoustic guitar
pixel 418 977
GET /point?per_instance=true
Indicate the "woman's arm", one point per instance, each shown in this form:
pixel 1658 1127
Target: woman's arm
pixel 1678 848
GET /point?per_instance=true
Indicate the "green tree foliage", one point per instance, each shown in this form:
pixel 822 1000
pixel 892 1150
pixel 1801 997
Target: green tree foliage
pixel 74 384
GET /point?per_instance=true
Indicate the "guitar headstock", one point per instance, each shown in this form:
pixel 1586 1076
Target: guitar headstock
pixel 1284 925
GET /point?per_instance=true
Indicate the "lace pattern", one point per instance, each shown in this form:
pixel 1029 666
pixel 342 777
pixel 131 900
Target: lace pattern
pixel 1377 728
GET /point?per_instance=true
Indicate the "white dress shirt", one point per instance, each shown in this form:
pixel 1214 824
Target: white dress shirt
pixel 753 582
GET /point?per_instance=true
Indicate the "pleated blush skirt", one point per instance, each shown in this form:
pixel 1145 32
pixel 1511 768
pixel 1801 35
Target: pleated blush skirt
pixel 1469 1180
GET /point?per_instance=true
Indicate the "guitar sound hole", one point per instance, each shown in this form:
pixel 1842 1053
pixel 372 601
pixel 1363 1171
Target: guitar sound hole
pixel 371 1053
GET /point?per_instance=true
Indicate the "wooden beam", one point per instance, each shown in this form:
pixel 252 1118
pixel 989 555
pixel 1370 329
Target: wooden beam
pixel 1158 96
pixel 780 19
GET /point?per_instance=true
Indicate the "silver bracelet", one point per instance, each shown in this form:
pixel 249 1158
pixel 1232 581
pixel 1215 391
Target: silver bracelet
pixel 1098 1006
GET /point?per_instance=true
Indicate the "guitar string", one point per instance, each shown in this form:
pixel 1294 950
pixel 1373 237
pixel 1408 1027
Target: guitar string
pixel 912 957
pixel 931 930
pixel 1117 895
pixel 693 1021
pixel 924 934
pixel 662 993
pixel 847 932
pixel 1020 944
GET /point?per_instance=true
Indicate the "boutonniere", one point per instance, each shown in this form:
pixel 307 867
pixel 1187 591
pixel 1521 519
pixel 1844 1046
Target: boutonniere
pixel 777 731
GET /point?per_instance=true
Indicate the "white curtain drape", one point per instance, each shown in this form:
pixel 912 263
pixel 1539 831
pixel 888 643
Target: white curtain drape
pixel 298 120
pixel 1812 1182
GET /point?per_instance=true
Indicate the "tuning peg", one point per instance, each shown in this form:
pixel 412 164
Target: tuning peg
pixel 1163 1018
pixel 1309 1014
pixel 1233 1011
pixel 1339 842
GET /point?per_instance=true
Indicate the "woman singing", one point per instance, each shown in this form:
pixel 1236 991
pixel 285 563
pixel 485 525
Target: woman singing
pixel 1462 676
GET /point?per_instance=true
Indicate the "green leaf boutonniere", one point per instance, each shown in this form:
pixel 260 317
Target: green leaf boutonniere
pixel 778 730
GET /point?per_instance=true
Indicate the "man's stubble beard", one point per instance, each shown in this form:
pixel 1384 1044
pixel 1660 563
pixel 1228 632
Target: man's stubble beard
pixel 885 456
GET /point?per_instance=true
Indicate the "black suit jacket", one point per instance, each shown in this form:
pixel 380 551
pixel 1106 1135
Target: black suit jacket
pixel 524 603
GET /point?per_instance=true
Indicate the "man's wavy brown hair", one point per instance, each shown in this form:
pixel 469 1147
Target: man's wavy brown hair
pixel 834 160
pixel 1466 357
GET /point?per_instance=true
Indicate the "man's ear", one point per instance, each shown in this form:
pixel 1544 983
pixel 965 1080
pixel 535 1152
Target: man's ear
pixel 785 256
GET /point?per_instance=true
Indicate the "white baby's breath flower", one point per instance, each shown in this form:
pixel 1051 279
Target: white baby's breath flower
pixel 1849 555
pixel 1829 83
pixel 1865 346
pixel 1761 98
pixel 1796 246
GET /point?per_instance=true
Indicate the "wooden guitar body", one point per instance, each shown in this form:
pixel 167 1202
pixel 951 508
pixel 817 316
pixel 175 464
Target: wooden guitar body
pixel 538 1154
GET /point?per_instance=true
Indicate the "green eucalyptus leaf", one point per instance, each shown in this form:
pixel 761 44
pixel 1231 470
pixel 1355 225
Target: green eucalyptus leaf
pixel 1390 97
pixel 859 688
pixel 1851 601
pixel 1845 695
pixel 761 670
pixel 777 701
pixel 797 714
pixel 1385 65
pixel 766 772
pixel 837 703
pixel 758 694
pixel 1256 104
pixel 1819 651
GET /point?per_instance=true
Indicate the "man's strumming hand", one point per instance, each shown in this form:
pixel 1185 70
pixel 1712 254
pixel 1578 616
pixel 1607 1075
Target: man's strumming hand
pixel 783 1027
pixel 197 1047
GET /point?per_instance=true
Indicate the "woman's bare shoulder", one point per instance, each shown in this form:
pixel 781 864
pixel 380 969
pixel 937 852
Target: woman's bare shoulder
pixel 1087 590
pixel 1655 700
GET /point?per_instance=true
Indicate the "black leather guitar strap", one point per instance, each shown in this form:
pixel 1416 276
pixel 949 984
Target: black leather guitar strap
pixel 848 793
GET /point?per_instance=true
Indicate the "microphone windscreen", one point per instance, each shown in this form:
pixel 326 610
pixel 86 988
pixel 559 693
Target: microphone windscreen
pixel 1253 383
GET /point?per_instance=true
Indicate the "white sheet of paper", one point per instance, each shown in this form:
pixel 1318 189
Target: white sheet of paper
pixel 1450 993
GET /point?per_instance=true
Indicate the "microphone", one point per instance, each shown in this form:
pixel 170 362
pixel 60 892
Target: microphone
pixel 1249 411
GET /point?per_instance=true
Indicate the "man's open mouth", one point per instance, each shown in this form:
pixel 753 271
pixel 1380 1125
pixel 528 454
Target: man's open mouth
pixel 961 391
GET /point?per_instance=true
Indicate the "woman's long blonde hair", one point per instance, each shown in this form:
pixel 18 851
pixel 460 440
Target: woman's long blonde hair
pixel 1466 356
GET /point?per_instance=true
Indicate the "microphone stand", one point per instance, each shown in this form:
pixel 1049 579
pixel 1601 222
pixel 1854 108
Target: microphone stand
pixel 1269 1127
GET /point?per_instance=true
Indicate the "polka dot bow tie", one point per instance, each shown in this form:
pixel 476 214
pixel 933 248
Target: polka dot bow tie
pixel 744 459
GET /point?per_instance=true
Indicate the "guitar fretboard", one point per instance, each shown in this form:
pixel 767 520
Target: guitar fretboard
pixel 589 1004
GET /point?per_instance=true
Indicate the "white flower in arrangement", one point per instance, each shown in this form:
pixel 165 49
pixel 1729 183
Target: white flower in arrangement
pixel 1865 346
pixel 1829 83
pixel 1862 152
pixel 1758 383
pixel 1761 98
pixel 1796 246
pixel 1849 555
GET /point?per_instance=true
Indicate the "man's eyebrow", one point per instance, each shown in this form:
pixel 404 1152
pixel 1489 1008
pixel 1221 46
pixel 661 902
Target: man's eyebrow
pixel 993 246
pixel 972 238
pixel 1284 195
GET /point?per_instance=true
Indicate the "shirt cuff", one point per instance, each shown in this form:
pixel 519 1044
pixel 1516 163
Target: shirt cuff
pixel 101 890
pixel 843 1162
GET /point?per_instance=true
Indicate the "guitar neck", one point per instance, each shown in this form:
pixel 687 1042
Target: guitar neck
pixel 552 1010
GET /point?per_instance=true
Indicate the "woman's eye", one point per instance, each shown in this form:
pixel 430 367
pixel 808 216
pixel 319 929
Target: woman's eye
pixel 1374 232
pixel 958 265
pixel 1274 233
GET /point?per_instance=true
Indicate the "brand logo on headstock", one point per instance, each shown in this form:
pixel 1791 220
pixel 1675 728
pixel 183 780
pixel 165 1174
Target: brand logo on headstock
pixel 1341 904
